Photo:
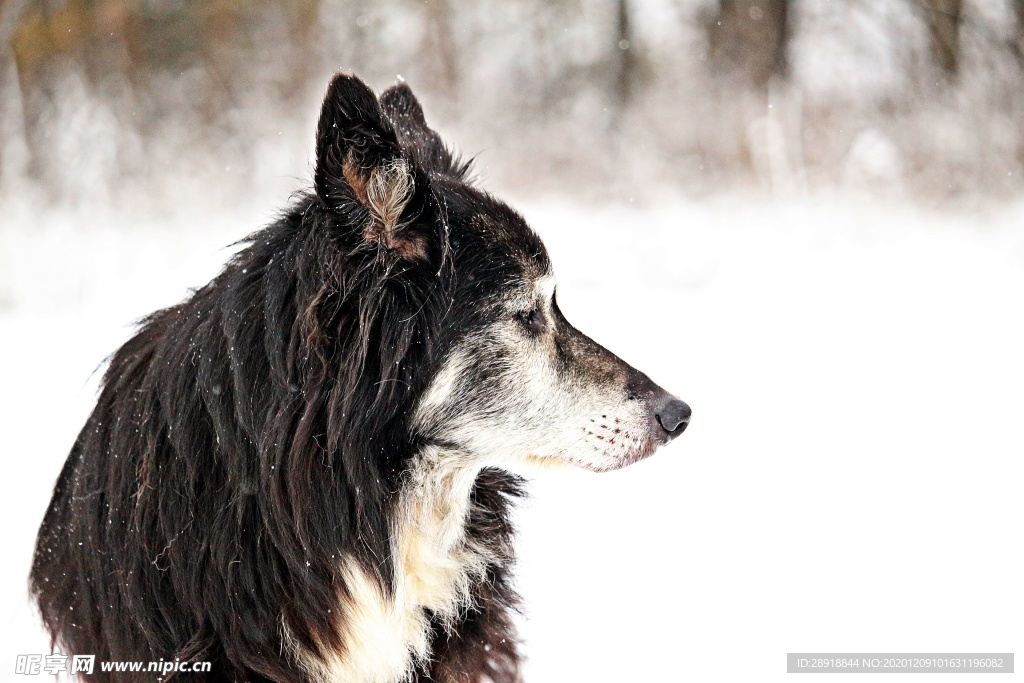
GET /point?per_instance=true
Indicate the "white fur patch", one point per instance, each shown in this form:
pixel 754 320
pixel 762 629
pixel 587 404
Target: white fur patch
pixel 545 288
pixel 441 391
pixel 539 295
pixel 435 569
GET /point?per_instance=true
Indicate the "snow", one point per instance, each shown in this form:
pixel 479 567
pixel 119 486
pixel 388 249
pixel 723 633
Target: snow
pixel 850 481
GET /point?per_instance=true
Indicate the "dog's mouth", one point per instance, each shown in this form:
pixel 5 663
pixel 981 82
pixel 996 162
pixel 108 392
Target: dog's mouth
pixel 667 436
pixel 648 449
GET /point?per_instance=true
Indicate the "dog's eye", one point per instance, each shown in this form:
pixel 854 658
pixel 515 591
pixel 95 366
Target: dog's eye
pixel 532 320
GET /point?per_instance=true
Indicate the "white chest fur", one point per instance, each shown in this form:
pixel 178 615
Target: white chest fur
pixel 436 566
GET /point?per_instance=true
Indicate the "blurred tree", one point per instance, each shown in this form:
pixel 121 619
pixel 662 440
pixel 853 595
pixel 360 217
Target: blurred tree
pixel 116 89
pixel 441 48
pixel 943 18
pixel 747 41
pixel 1018 38
pixel 9 12
pixel 625 57
pixel 149 63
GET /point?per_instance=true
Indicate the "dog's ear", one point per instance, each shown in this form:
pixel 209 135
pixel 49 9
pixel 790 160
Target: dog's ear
pixel 422 142
pixel 360 168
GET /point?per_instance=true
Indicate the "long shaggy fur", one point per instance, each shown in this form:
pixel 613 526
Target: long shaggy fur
pixel 262 482
pixel 237 436
pixel 241 435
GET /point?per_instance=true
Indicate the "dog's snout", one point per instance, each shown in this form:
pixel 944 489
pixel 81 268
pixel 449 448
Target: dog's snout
pixel 672 414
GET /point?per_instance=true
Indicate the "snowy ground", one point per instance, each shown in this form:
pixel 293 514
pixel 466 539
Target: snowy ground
pixel 850 482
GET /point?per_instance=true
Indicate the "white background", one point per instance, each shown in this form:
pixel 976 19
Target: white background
pixel 851 480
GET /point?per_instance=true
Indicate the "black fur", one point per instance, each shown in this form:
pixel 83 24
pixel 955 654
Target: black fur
pixel 247 438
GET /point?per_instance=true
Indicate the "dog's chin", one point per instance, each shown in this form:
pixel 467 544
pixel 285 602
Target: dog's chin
pixel 608 464
pixel 621 462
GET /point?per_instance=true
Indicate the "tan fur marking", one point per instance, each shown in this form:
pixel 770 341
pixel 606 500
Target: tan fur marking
pixel 355 177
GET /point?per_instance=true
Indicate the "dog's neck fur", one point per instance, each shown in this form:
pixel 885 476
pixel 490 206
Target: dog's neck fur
pixel 436 566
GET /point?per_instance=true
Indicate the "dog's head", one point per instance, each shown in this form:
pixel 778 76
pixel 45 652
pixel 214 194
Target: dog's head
pixel 507 380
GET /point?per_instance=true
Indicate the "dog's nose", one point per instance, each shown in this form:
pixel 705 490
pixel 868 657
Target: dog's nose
pixel 673 415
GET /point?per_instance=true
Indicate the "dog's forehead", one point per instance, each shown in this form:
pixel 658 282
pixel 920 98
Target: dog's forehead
pixel 510 239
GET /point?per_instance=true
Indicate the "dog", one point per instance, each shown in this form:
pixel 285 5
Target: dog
pixel 305 471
